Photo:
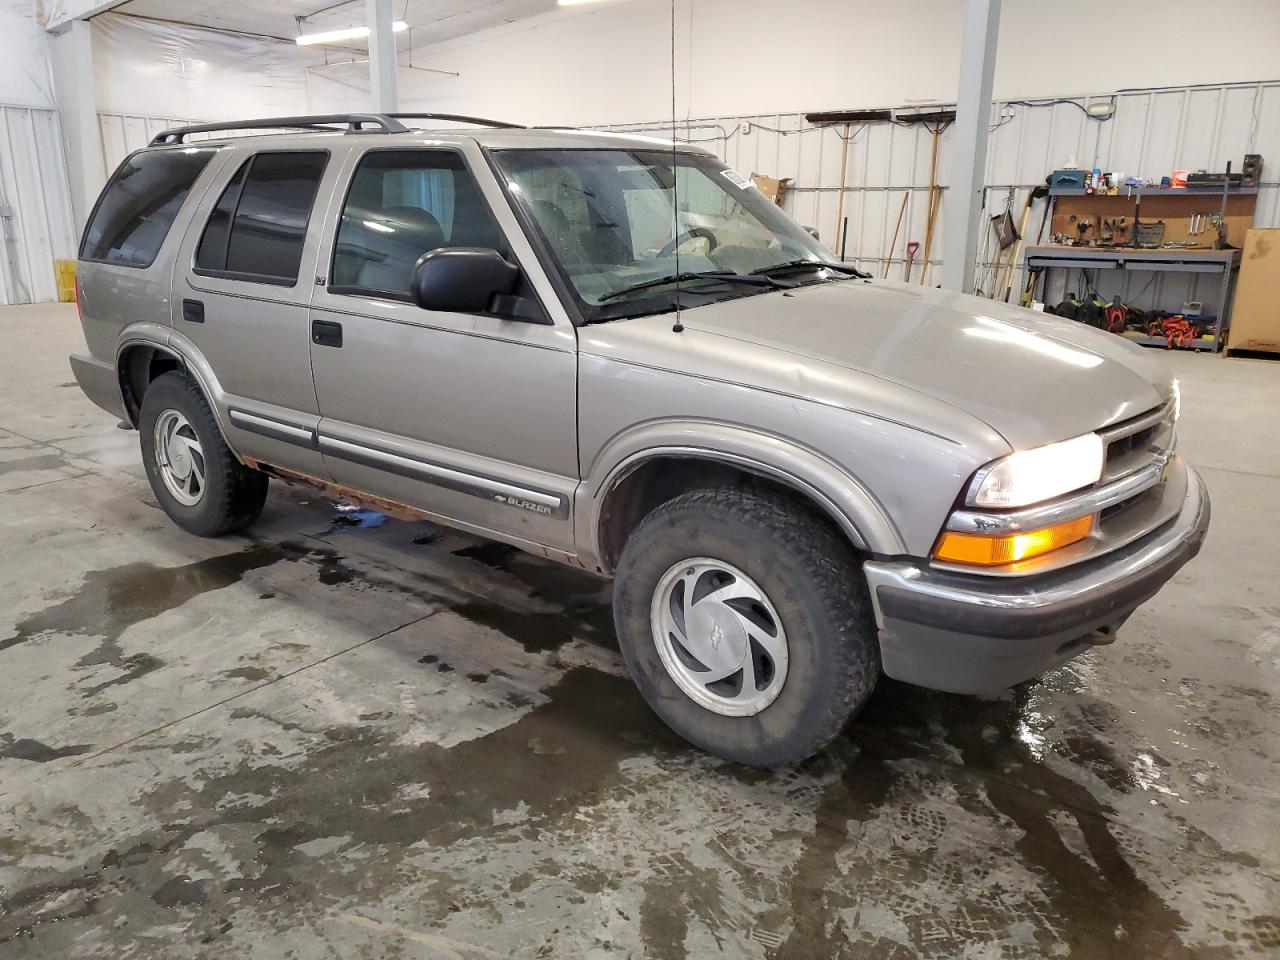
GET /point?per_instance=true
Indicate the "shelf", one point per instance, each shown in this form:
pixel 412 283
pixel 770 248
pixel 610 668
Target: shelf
pixel 1199 343
pixel 1131 192
pixel 1166 259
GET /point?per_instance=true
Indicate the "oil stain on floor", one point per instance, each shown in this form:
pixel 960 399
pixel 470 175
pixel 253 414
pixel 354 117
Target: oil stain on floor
pixel 579 826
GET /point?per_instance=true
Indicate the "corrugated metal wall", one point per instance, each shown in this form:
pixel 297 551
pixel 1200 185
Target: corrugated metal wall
pixel 1152 133
pixel 36 225
pixel 123 133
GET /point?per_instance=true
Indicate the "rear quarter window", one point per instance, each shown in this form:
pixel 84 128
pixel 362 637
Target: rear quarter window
pixel 138 206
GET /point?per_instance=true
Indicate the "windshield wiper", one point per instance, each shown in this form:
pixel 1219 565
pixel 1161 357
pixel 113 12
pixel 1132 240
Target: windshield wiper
pixel 724 276
pixel 791 265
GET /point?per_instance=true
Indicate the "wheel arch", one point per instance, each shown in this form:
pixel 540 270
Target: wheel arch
pixel 642 475
pixel 142 357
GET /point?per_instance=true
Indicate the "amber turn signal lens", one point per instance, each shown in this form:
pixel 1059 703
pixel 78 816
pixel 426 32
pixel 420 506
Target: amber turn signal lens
pixel 987 551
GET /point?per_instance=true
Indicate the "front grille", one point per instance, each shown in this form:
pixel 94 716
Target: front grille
pixel 1137 442
pixel 1122 450
pixel 1132 445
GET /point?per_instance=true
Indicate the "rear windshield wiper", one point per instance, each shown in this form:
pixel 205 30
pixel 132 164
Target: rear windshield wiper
pixel 724 276
pixel 791 265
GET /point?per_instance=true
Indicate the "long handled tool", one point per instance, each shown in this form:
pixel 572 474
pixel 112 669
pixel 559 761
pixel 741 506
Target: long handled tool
pixel 1028 293
pixel 844 175
pixel 935 201
pixel 888 256
pixel 1012 267
pixel 912 247
pixel 1221 243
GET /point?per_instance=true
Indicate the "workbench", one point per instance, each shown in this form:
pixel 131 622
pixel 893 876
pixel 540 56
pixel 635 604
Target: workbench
pixel 1225 263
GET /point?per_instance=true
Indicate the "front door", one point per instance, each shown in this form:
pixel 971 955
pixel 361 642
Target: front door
pixel 471 418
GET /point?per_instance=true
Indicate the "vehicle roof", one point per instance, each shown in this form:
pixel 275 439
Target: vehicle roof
pixel 530 138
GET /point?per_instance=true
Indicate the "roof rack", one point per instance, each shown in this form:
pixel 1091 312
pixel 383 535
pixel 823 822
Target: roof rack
pixel 355 124
pixel 458 118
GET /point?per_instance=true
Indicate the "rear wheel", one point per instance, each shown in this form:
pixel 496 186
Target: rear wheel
pixel 197 480
pixel 744 621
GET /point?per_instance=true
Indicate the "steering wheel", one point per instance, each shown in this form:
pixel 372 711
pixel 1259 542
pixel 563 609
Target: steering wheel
pixel 692 233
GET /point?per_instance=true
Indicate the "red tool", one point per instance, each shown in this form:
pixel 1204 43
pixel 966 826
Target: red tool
pixel 1177 332
pixel 912 247
pixel 1115 315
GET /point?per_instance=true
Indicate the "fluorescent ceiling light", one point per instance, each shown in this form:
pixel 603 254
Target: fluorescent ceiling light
pixel 337 36
pixel 574 3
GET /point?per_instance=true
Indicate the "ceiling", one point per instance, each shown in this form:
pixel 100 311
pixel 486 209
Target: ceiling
pixel 430 21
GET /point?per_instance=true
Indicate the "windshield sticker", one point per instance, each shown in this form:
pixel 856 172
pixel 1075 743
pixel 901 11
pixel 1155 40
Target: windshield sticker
pixel 737 179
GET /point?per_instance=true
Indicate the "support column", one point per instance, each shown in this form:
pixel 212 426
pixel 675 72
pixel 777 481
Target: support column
pixel 71 53
pixel 969 146
pixel 382 56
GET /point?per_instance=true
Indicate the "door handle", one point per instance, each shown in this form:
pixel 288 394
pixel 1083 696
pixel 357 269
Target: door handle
pixel 193 311
pixel 326 333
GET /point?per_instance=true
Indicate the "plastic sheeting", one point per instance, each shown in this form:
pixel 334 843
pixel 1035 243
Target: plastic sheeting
pixel 148 68
pixel 25 80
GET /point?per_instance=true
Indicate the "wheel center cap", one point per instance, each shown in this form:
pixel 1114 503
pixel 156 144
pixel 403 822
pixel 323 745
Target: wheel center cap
pixel 716 636
pixel 179 461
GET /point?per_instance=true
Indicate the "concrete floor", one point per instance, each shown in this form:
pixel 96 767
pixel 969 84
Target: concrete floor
pixel 350 738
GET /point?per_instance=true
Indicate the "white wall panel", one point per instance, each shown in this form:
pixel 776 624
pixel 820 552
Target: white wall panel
pixel 35 193
pixel 123 134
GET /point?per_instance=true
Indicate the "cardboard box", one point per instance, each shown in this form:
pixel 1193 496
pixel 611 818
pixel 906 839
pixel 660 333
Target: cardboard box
pixel 1255 315
pixel 775 190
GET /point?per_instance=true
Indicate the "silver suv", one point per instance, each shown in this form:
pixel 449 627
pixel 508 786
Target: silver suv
pixel 616 353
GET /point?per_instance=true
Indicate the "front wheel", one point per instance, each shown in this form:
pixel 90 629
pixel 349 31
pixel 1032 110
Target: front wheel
pixel 744 622
pixel 197 480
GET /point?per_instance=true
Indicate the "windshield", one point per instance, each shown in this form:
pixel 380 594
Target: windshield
pixel 609 220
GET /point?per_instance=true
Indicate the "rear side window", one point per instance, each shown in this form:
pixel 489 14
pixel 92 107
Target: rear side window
pixel 401 204
pixel 258 226
pixel 138 207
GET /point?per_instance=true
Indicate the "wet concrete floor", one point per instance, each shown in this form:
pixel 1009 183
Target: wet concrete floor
pixel 344 737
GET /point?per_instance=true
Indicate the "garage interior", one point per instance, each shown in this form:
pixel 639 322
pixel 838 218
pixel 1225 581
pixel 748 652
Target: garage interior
pixel 344 734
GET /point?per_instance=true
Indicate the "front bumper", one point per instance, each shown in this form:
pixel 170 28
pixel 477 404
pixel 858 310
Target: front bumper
pixel 971 634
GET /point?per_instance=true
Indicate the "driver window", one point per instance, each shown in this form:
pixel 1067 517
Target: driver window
pixel 401 204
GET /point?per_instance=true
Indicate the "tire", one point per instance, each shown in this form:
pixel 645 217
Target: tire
pixel 231 495
pixel 811 585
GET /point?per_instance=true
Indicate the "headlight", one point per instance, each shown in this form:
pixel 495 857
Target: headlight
pixel 1042 473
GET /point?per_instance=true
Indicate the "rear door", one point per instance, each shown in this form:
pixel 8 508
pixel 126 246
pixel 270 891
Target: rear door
pixel 241 291
pixel 469 417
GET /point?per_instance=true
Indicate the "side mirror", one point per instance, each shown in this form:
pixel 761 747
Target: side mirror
pixel 462 279
pixel 813 232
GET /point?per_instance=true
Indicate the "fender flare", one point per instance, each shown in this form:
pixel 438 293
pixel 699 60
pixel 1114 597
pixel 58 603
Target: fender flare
pixel 163 339
pixel 831 487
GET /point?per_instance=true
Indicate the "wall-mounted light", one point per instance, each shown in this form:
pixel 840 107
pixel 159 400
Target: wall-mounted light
pixel 337 36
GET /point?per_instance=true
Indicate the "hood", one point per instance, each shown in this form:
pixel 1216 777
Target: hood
pixel 1031 377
